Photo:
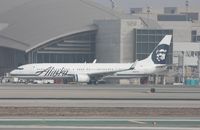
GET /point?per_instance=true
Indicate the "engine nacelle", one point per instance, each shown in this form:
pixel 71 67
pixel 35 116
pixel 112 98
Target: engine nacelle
pixel 82 78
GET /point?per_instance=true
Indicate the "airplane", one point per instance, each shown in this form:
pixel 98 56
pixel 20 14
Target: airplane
pixel 92 72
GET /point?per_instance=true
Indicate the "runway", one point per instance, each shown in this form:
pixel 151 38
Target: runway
pixel 101 124
pixel 98 101
pixel 100 92
pixel 101 103
pixel 101 107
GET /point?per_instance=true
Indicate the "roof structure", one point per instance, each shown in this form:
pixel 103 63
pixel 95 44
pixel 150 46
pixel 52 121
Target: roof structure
pixel 38 21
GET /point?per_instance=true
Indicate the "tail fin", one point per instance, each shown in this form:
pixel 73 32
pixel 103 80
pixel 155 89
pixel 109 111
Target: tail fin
pixel 159 54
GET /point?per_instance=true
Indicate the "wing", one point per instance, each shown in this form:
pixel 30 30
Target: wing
pixel 98 75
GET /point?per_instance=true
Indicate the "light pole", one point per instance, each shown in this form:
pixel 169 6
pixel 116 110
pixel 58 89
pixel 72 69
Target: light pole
pixel 198 66
pixel 187 9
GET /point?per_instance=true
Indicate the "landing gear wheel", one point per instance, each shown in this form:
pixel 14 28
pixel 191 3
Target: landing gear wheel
pixel 92 82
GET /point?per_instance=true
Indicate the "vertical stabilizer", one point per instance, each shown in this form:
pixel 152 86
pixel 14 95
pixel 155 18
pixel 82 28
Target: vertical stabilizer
pixel 159 54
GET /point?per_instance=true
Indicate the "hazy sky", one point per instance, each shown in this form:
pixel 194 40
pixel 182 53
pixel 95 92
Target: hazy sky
pixel 9 4
pixel 157 4
pixel 121 4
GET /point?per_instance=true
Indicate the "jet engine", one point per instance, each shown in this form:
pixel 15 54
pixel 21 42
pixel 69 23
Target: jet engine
pixel 82 78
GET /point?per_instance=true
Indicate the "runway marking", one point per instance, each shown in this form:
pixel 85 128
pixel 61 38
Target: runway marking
pixel 138 122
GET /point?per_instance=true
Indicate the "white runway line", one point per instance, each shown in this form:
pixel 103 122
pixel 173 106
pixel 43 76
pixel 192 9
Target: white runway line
pixel 138 122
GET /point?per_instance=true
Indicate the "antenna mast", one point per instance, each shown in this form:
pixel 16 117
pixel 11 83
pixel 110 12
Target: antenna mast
pixel 187 9
pixel 112 4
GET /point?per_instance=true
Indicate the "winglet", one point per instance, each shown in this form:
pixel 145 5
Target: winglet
pixel 95 61
pixel 133 65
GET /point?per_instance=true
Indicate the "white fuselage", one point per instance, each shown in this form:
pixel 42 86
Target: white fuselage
pixel 50 70
pixel 67 69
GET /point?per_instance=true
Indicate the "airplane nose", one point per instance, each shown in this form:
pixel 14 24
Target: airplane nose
pixel 13 72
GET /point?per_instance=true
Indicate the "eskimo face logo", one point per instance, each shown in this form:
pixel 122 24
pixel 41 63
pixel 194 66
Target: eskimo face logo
pixel 161 54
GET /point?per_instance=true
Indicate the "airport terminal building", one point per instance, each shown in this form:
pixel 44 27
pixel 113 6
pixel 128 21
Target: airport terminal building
pixel 56 32
pixel 77 31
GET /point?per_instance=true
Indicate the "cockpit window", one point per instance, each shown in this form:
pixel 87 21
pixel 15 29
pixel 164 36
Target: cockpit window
pixel 19 68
